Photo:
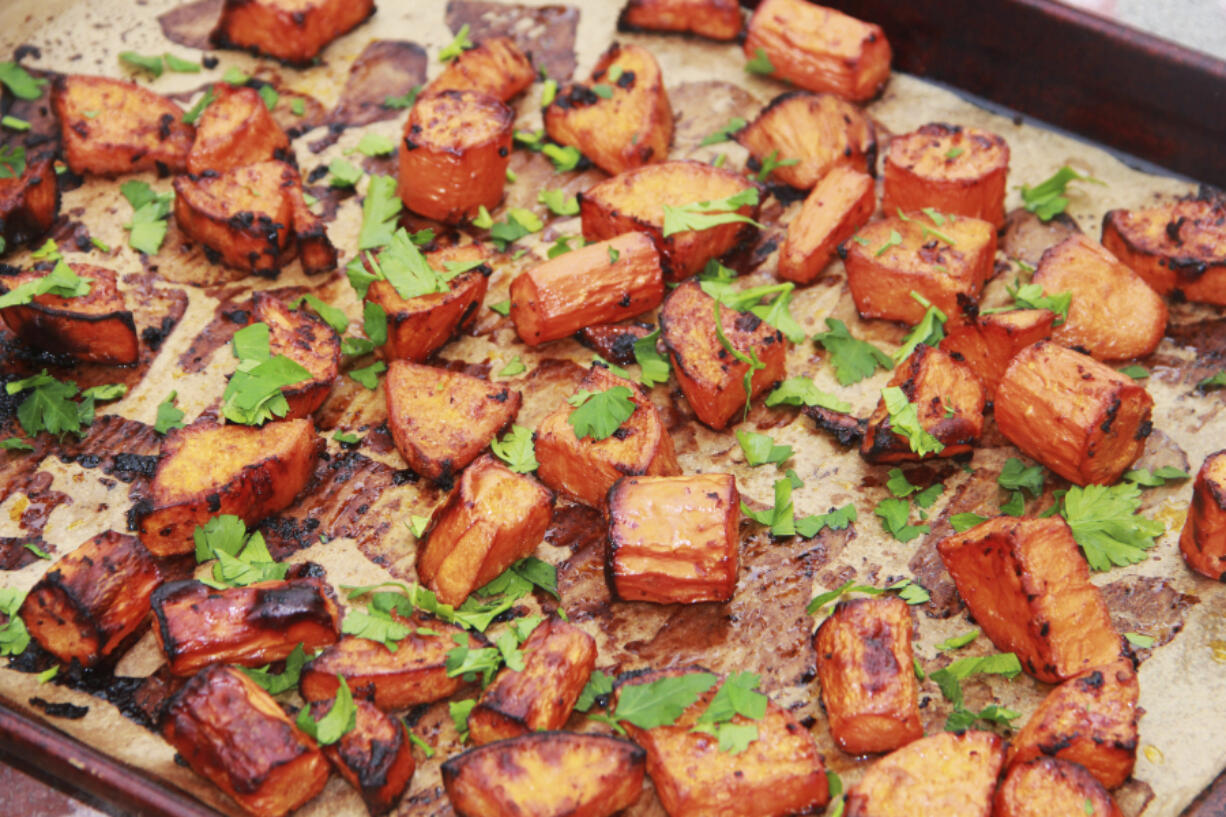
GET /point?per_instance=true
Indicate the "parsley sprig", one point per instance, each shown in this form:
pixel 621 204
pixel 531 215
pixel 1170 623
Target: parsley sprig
pixel 599 414
pixel 253 395
pixel 50 406
pixel 242 558
pixel 781 517
pixel 909 590
pixel 950 678
pixel 61 281
pixel 14 637
pixel 704 215
pixel 1047 199
pixel 1106 525
pixel 904 421
pixel 929 331
pixel 517 450
pixel 148 226
pixel 339 721
pixel 853 359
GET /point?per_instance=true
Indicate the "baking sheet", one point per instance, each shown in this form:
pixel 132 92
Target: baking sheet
pixel 1183 742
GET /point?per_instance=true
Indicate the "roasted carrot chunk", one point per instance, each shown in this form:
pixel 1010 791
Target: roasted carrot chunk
pixel 603 282
pixel 235 734
pixel 1028 586
pixel 952 774
pixel 949 403
pixel 29 202
pixel 839 205
pixel 586 468
pixel 558 660
pixel 778 774
pixel 94 328
pixel 817 131
pixel 315 250
pixel 711 377
pixel 293 31
pixel 1083 420
pixel 864 662
pixel 820 49
pixel 1203 540
pixel 376 756
pixel 1113 315
pixel 415 673
pixel 946 259
pixel 93 600
pixel 496 67
pixel 235 129
pixel 111 127
pixel 417 327
pixel 492 518
pixel 1091 720
pixel 441 420
pixel 307 341
pixel 546 774
pixel 713 19
pixel 674 539
pixel 988 343
pixel 206 470
pixel 454 156
pixel 243 216
pixel 1046 787
pixel 635 200
pixel 1176 247
pixel 953 169
pixel 254 625
pixel 621 118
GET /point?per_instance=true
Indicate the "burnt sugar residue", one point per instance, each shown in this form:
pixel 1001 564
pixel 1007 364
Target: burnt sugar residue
pixel 14 554
pixel 1147 605
pixel 979 494
pixel 545 32
pixel 385 68
pixel 191 23
pixel 60 710
pixel 575 527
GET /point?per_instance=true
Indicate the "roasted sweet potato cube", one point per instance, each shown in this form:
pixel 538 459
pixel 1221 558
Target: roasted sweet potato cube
pixel 712 379
pixel 414 673
pixel 306 340
pixel 950 773
pixel 1028 586
pixel 819 131
pixel 635 201
pixel 713 19
pixel 673 540
pixel 244 216
pixel 376 756
pixel 254 625
pixel 778 774
pixel 820 49
pixel 840 204
pixel 496 67
pixel 950 168
pixel 418 327
pixel 316 252
pixel 441 420
pixel 1083 420
pixel 949 401
pixel 29 202
pixel 621 118
pixel 293 31
pixel 558 660
pixel 546 774
pixel 492 518
pixel 1046 787
pixel 585 469
pixel 988 343
pixel 236 129
pixel 111 127
pixel 947 260
pixel 1203 539
pixel 603 282
pixel 234 733
pixel 614 342
pixel 208 470
pixel 1179 246
pixel 1114 315
pixel 454 156
pixel 93 328
pixel 93 600
pixel 864 662
pixel 1091 720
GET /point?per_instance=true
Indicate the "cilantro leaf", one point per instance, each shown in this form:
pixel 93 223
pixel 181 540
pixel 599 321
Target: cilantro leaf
pixel 760 449
pixel 148 226
pixel 61 281
pixel 773 162
pixel 517 449
pixel 376 144
pixel 598 414
pixel 368 376
pixel 343 173
pixel 15 444
pixel 1154 479
pixel 330 314
pixel 704 215
pixel 180 65
pixel 662 701
pixel 502 307
pixel 564 158
pixel 20 82
pixel 760 64
pixel 655 368
pixel 558 203
pixel 456 47
pixel 965 521
pixel 1015 476
pixel 12 162
pixel 516 366
pixel 1106 525
pixel 376 626
pixel 930 330
pixel 460 710
pixel 899 485
pixel 275 683
pixel 49 406
pixel 14 637
pixel 895 515
pixel 379 212
pixel 1135 372
pixel 253 395
pixel 835 519
pixel 801 391
pixel 149 63
pixel 904 421
pixel 1138 640
pixel 405 100
pixel 598 686
pixel 853 359
pixel 949 679
pixel 725 133
pixel 206 99
pixel 958 641
pixel 1046 199
pixel 338 722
